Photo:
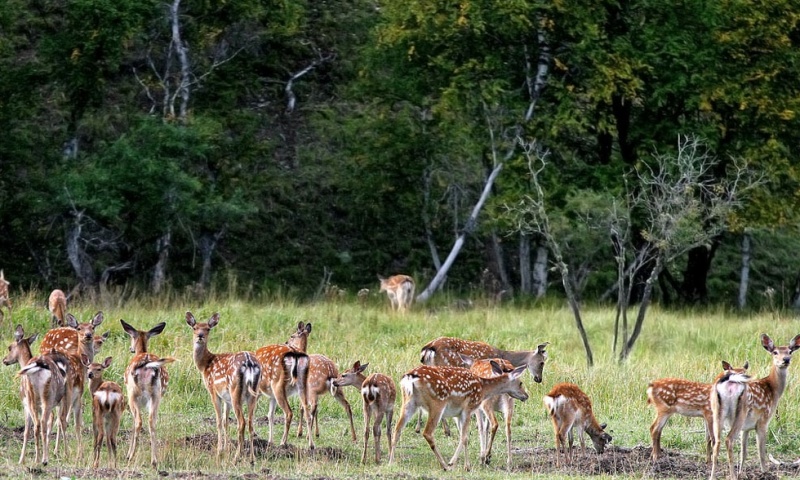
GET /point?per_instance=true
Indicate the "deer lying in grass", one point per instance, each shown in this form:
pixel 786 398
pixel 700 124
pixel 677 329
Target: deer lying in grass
pixel 451 392
pixel 108 404
pixel 378 393
pixel 570 408
pixel 400 290
pixel 232 381
pixel 728 407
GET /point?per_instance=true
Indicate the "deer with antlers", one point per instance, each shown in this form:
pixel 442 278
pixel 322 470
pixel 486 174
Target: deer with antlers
pixel 108 404
pixel 146 381
pixel 378 394
pixel 400 290
pixel 728 407
pixel 232 381
pixel 451 392
pixel 57 304
pixel 4 297
pixel 569 409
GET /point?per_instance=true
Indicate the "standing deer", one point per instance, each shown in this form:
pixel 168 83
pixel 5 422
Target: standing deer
pixel 400 290
pixel 108 404
pixel 20 352
pixel 74 339
pixel 146 381
pixel 451 392
pixel 4 297
pixel 232 381
pixel 57 303
pixel 570 408
pixel 685 397
pixel 728 407
pixel 378 393
pixel 322 373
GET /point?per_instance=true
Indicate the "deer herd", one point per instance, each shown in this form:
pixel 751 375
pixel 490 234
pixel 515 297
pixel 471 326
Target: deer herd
pixel 457 379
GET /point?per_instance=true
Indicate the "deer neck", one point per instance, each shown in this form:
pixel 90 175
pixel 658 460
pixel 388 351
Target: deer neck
pixel 494 386
pixel 95 383
pixel 775 381
pixel 516 358
pixel 202 357
pixel 24 353
pixel 140 345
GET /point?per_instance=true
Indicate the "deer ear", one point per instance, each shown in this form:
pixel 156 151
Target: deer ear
pixel 107 362
pixel 308 327
pixel 19 333
pixel 156 330
pixel 517 372
pixel 795 343
pixel 98 319
pixel 466 359
pixel 726 366
pixel 767 342
pixel 541 348
pixel 746 365
pixel 496 368
pixel 128 328
pixel 32 338
pixel 72 321
pixel 85 360
pixel 214 320
pixel 603 426
pixel 363 367
pixel 190 319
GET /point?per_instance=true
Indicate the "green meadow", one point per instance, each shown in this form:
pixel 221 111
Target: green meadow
pixel 683 344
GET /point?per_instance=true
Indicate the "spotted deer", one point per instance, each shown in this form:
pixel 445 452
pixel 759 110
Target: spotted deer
pixel 284 372
pixel 232 381
pixel 57 304
pixel 728 407
pixel 451 392
pixel 322 373
pixel 400 290
pixel 569 409
pixel 378 394
pixel 19 352
pixel 449 352
pixel 108 404
pixel 5 299
pixel 74 339
pixel 670 396
pixel 763 396
pixel 146 381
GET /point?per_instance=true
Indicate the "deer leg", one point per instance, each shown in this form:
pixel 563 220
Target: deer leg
pixel 153 410
pixel 77 408
pixel 761 444
pixel 463 429
pixel 388 416
pixel 339 396
pixel 137 425
pixel 715 441
pixel 743 452
pixel 97 433
pixel 655 433
pixel 271 415
pixel 219 411
pixel 26 435
pixel 434 416
pixel 409 408
pixel 492 431
pixel 252 403
pixel 366 433
pixel 112 428
pixel 237 398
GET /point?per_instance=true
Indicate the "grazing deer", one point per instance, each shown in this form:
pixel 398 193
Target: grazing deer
pixel 685 397
pixel 378 393
pixel 232 381
pixel 400 290
pixel 570 408
pixel 451 392
pixel 57 303
pixel 146 381
pixel 728 407
pixel 4 297
pixel 44 388
pixel 74 339
pixel 108 404
pixel 322 373
pixel 763 395
pixel 487 421
pixel 284 372
pixel 448 351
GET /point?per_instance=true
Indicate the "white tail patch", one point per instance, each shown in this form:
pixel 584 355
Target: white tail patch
pixel 107 398
pixel 553 403
pixel 408 383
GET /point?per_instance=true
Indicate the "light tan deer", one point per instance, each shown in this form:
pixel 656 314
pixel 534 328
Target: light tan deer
pixel 763 397
pixel 400 290
pixel 378 394
pixel 284 372
pixel 74 339
pixel 451 392
pixel 569 409
pixel 487 421
pixel 5 299
pixel 20 352
pixel 322 373
pixel 684 397
pixel 448 352
pixel 728 407
pixel 232 381
pixel 146 382
pixel 57 303
pixel 108 404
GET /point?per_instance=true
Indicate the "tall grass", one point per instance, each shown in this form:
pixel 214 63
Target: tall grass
pixel 688 345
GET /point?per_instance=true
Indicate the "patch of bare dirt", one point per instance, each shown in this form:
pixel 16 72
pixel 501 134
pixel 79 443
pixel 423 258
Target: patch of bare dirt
pixel 268 451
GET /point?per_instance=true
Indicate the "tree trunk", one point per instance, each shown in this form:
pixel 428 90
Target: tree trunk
pixel 208 244
pixel 78 258
pixel 499 262
pixel 744 278
pixel 540 270
pixel 646 297
pixel 163 245
pixel 694 288
pixel 525 264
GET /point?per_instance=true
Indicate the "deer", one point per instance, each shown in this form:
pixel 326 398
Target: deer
pixel 108 404
pixel 728 407
pixel 569 408
pixel 19 352
pixel 146 381
pixel 74 339
pixel 57 304
pixel 487 421
pixel 449 351
pixel 378 394
pixel 232 381
pixel 322 373
pixel 400 290
pixel 284 373
pixel 5 299
pixel 763 395
pixel 451 392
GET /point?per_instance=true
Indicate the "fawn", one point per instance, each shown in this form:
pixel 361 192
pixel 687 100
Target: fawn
pixel 57 304
pixel 728 407
pixel 108 404
pixel 570 408
pixel 400 290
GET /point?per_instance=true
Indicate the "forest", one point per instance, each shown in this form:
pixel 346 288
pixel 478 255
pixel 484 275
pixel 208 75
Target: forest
pixel 505 148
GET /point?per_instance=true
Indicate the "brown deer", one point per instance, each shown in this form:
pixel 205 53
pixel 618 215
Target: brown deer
pixel 108 404
pixel 449 352
pixel 20 352
pixel 400 290
pixel 763 395
pixel 684 397
pixel 5 299
pixel 57 303
pixel 728 407
pixel 378 394
pixel 451 392
pixel 284 372
pixel 146 382
pixel 570 408
pixel 232 381
pixel 74 339
pixel 322 373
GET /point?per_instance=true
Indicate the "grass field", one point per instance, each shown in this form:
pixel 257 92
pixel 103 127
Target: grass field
pixel 689 345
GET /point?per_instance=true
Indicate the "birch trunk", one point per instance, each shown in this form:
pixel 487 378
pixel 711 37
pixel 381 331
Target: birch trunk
pixel 744 278
pixel 525 264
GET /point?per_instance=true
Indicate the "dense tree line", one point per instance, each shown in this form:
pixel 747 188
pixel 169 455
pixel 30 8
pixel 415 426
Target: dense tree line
pixel 196 141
